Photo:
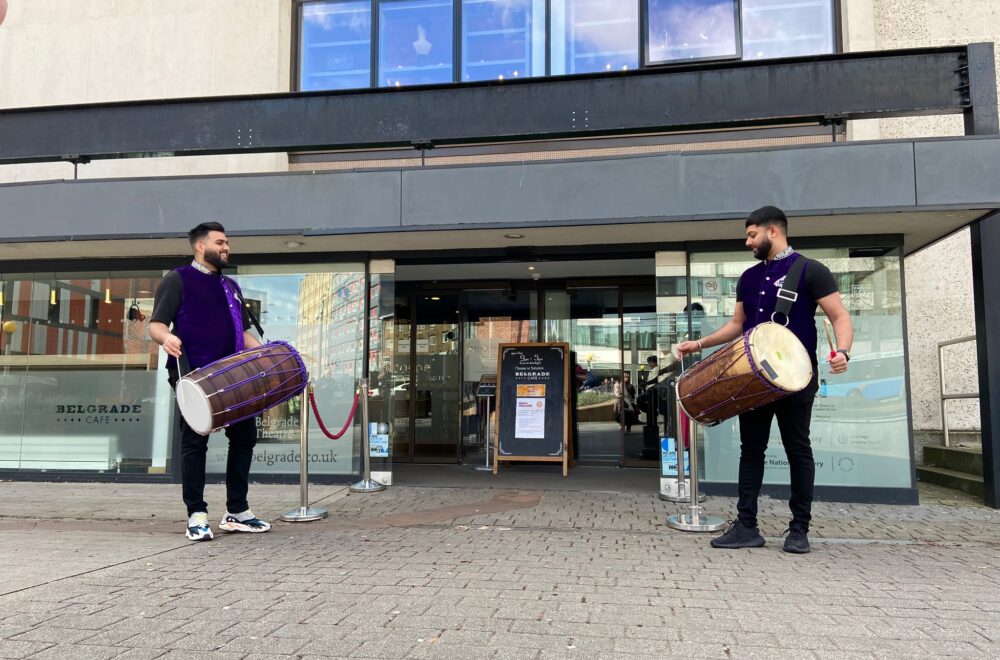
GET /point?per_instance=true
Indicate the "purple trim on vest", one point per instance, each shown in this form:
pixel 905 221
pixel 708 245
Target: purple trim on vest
pixel 205 318
pixel 235 310
pixel 759 292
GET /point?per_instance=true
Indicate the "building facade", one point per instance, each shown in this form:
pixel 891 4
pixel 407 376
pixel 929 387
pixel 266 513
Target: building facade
pixel 412 258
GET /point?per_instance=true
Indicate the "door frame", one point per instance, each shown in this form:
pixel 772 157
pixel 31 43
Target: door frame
pixel 411 292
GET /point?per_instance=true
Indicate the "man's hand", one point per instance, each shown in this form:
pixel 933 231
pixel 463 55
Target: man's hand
pixel 172 345
pixel 686 348
pixel 161 334
pixel 838 363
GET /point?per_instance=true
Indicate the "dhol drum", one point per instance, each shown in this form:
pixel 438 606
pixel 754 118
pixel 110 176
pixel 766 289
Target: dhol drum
pixel 767 363
pixel 240 386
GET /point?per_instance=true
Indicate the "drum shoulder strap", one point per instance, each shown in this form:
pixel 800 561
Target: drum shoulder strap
pixel 253 317
pixel 788 292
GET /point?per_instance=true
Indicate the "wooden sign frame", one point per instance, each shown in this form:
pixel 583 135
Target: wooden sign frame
pixel 566 456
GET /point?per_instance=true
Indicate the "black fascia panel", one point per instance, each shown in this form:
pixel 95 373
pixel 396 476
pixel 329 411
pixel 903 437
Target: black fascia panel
pixel 652 100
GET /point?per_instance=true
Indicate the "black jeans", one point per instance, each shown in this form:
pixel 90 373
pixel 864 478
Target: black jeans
pixel 794 413
pixel 194 450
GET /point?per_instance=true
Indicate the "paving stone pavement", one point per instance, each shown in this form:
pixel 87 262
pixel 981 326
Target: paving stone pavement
pixel 88 571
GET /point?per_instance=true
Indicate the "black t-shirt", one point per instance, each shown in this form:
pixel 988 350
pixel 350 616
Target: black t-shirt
pixel 168 300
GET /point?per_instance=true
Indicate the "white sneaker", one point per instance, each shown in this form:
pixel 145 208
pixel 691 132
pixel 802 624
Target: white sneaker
pixel 198 529
pixel 243 522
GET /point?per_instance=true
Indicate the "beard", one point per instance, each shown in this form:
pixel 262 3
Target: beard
pixel 215 258
pixel 763 249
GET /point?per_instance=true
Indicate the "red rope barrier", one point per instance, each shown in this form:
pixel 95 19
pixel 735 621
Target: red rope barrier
pixel 347 424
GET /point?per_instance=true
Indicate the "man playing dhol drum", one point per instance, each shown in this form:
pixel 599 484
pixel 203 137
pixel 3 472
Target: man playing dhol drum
pixel 210 322
pixel 756 298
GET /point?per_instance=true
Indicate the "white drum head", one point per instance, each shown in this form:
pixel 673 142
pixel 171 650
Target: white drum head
pixel 194 406
pixel 780 357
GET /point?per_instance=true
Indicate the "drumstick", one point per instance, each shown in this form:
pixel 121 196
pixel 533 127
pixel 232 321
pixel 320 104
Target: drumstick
pixel 829 339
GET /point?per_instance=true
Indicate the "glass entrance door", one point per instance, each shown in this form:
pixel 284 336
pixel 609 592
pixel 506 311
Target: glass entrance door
pixel 645 396
pixel 426 389
pixel 490 318
pixel 590 320
pixel 436 379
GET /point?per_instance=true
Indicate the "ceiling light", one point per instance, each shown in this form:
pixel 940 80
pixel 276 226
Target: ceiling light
pixel 513 235
pixel 294 244
pixel 531 268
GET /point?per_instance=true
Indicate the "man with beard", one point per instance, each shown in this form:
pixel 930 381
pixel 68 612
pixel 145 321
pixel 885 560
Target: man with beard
pixel 756 300
pixel 209 321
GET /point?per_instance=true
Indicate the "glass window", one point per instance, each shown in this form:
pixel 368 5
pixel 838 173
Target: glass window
pixel 335 45
pixel 779 28
pixel 691 30
pixel 594 35
pixel 320 311
pixel 415 42
pixel 503 39
pixel 381 367
pixel 859 422
pixel 82 387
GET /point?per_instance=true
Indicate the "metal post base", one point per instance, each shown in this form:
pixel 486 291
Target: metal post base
pixel 367 486
pixel 486 468
pixel 687 522
pixel 304 514
pixel 670 491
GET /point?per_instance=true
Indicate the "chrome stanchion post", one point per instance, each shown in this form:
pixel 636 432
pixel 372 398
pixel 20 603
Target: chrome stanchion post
pixel 304 513
pixel 694 521
pixel 678 491
pixel 367 484
pixel 489 433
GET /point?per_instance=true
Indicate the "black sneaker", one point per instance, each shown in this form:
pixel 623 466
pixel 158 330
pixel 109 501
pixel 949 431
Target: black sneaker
pixel 739 536
pixel 796 542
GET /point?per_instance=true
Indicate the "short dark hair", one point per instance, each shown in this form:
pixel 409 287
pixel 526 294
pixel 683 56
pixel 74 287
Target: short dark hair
pixel 201 231
pixel 651 358
pixel 767 216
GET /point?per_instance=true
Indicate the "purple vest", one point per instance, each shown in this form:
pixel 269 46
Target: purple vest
pixel 759 293
pixel 209 320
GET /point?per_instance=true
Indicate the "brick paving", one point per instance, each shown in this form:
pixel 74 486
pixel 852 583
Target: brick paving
pixel 423 572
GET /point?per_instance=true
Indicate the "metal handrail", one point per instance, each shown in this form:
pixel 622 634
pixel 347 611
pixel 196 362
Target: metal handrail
pixel 947 397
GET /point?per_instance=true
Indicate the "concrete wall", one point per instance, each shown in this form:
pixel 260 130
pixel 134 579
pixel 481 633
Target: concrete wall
pixel 939 278
pixel 55 52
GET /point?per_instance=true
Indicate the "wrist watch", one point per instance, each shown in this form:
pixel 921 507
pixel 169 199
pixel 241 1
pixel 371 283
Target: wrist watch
pixel 846 354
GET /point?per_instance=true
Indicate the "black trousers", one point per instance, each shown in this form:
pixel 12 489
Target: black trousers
pixel 794 413
pixel 194 450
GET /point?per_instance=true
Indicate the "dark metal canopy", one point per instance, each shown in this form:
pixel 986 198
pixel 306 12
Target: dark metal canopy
pixel 828 88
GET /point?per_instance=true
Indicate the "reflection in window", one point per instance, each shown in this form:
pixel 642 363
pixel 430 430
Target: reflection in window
pixel 594 35
pixel 859 427
pixel 336 45
pixel 319 310
pixel 415 42
pixel 503 39
pixel 692 30
pixel 778 28
pixel 82 386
